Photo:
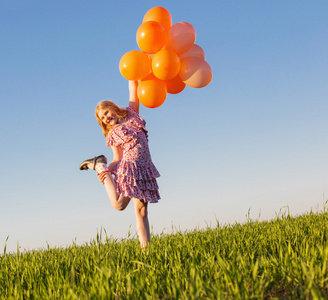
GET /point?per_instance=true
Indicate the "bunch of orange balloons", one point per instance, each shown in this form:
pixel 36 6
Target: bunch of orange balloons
pixel 168 58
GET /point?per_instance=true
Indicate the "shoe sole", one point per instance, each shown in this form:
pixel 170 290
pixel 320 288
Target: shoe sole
pixel 99 158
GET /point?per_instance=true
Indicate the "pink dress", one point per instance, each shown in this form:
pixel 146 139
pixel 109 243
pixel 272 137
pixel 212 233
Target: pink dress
pixel 135 174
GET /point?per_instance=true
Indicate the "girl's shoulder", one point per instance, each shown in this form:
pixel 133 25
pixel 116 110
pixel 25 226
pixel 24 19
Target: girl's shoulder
pixel 132 114
pixel 131 111
pixel 123 132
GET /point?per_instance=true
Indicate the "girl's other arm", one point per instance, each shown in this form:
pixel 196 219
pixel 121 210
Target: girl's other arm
pixel 117 155
pixel 133 97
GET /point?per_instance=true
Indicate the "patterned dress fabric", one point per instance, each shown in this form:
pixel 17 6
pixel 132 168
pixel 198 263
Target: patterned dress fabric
pixel 135 174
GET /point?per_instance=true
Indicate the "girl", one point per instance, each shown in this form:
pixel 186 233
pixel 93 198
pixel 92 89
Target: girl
pixel 134 172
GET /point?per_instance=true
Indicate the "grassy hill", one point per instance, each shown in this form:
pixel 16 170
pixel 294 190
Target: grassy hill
pixel 283 258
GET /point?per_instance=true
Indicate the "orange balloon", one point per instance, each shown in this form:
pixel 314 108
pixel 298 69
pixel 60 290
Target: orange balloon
pixel 175 85
pixel 195 72
pixel 180 37
pixel 195 50
pixel 134 65
pixel 151 37
pixel 160 15
pixel 151 92
pixel 165 64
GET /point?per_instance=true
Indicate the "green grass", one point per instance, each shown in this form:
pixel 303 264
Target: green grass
pixel 285 258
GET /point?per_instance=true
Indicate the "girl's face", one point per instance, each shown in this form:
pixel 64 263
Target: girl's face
pixel 108 117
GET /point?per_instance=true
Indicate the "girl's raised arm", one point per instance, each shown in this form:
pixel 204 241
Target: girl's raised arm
pixel 133 97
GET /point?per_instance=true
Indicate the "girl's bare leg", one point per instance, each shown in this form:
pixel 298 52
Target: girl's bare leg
pixel 99 163
pixel 142 223
pixel 119 202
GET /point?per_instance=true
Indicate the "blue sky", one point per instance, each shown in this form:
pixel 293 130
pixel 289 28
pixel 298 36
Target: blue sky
pixel 254 141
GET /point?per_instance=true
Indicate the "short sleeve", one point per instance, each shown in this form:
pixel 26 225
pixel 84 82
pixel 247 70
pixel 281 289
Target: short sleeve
pixel 134 117
pixel 132 112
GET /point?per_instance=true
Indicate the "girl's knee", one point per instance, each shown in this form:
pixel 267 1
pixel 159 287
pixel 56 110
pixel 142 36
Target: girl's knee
pixel 121 203
pixel 141 209
pixel 119 206
pixel 143 213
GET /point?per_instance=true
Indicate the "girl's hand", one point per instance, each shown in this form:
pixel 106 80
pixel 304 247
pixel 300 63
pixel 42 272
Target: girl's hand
pixel 101 177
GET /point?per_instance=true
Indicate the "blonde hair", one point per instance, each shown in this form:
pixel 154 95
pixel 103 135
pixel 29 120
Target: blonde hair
pixel 111 106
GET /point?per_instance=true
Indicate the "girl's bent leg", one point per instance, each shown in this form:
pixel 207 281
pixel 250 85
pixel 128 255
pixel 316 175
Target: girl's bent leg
pixel 119 202
pixel 142 223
